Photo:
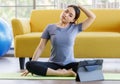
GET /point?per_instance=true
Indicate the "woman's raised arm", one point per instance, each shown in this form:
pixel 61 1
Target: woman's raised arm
pixel 90 17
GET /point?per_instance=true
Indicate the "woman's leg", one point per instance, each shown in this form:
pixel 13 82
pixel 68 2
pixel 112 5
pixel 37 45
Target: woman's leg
pixel 47 68
pixel 60 72
pixel 43 68
pixel 73 66
pixel 67 70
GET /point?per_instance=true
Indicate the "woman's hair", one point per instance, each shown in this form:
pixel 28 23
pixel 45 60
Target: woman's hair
pixel 77 11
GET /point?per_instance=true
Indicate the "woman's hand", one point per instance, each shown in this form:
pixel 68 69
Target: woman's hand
pixel 25 73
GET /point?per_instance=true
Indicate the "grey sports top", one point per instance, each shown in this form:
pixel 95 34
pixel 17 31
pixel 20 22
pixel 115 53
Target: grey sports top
pixel 62 41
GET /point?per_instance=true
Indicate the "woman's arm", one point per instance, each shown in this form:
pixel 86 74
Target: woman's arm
pixel 39 49
pixel 91 17
pixel 37 53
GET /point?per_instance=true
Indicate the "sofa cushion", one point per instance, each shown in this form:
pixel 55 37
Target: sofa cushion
pixel 107 20
pixel 40 19
pixel 97 45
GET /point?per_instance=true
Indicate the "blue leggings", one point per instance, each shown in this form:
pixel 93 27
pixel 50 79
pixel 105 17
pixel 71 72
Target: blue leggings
pixel 40 68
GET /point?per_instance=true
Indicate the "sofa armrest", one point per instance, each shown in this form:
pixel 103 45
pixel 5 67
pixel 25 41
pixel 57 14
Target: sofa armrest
pixel 20 26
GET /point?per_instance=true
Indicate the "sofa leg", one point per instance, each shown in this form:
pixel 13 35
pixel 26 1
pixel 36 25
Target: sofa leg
pixel 22 62
pixel 30 59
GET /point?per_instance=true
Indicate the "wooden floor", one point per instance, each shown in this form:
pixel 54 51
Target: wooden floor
pixel 11 64
pixel 54 82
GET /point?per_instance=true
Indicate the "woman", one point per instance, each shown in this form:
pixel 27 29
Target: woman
pixel 62 36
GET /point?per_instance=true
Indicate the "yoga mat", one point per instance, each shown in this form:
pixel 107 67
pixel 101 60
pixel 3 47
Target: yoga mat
pixel 29 76
pixel 17 76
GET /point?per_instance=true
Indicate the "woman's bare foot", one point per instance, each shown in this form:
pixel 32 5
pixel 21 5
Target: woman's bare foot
pixel 60 72
pixel 65 72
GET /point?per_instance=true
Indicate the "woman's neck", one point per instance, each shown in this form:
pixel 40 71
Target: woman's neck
pixel 62 25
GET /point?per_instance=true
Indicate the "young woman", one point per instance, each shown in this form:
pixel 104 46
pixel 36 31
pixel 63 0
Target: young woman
pixel 62 36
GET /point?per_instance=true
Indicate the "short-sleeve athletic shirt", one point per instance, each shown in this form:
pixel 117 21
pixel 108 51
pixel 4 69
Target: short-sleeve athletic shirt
pixel 62 41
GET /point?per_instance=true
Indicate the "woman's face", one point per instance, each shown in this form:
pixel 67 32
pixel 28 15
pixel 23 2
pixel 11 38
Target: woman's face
pixel 68 15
